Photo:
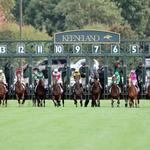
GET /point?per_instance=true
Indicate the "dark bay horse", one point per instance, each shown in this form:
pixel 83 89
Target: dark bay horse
pixel 57 94
pixel 3 94
pixel 132 94
pixel 95 93
pixel 78 93
pixel 20 92
pixel 40 94
pixel 115 94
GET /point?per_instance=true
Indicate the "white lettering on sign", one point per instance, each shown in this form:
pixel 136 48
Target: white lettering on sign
pixel 115 49
pixel 134 49
pixel 2 49
pixel 96 49
pixel 39 49
pixel 77 49
pixel 58 49
pixel 21 49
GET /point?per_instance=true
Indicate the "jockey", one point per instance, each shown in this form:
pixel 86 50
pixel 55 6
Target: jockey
pixel 19 77
pixel 83 73
pixel 116 79
pixel 133 78
pixel 76 75
pixel 56 75
pixel 3 79
pixel 38 74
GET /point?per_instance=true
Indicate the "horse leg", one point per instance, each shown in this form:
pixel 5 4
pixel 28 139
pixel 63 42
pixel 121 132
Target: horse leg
pixel 53 98
pixel 112 103
pixel 118 102
pixel 75 100
pixel 81 104
pixel 98 101
pixel 0 102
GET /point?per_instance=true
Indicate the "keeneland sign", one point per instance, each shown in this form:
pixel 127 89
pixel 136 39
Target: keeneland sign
pixel 86 36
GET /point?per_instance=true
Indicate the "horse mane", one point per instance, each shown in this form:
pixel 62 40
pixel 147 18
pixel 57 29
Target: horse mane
pixel 114 91
pixel 95 87
pixel 40 90
pixel 19 88
pixel 56 89
pixel 132 92
pixel 78 88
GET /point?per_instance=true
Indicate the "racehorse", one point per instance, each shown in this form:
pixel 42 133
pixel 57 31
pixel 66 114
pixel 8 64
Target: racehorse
pixel 115 94
pixel 57 94
pixel 78 92
pixel 3 94
pixel 95 93
pixel 132 94
pixel 40 94
pixel 20 92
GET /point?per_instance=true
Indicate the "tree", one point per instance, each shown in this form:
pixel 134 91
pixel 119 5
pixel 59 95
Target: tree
pixel 79 13
pixel 7 6
pixel 41 15
pixel 136 12
pixel 16 9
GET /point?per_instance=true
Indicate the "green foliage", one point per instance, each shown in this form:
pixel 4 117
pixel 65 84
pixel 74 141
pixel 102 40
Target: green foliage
pixel 16 9
pixel 79 13
pixel 136 12
pixel 125 31
pixel 7 6
pixel 41 15
pixel 97 26
pixel 10 31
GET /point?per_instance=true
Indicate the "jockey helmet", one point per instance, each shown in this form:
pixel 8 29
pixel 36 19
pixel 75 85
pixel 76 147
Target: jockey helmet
pixel 77 71
pixel 55 70
pixel 1 71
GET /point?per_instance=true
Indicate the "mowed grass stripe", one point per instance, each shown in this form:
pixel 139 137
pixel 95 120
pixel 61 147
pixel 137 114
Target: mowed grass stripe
pixel 71 128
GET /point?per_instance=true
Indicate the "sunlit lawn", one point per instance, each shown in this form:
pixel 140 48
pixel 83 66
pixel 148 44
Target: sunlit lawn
pixel 71 128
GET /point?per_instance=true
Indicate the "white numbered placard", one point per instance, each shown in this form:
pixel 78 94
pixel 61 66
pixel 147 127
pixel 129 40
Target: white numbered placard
pixel 21 48
pixel 3 49
pixel 96 49
pixel 134 48
pixel 58 49
pixel 77 49
pixel 39 49
pixel 115 49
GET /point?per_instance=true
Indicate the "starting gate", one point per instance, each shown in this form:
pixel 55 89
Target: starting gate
pixel 72 48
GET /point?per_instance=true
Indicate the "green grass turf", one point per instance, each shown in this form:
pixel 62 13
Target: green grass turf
pixel 70 128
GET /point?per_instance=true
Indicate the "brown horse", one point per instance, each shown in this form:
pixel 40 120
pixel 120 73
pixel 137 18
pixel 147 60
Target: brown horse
pixel 3 94
pixel 95 93
pixel 132 94
pixel 40 94
pixel 115 94
pixel 78 92
pixel 57 94
pixel 20 92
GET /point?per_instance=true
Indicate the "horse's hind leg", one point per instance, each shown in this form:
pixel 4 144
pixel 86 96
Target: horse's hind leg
pixel 98 101
pixel 75 100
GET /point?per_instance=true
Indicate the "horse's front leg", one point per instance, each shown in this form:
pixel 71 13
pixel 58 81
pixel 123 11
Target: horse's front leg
pixel 75 99
pixel 112 102
pixel 118 102
pixel 136 102
pixel 23 99
pixel 53 99
pixel 18 99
